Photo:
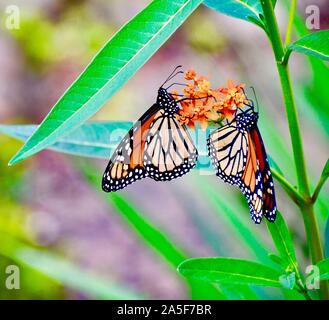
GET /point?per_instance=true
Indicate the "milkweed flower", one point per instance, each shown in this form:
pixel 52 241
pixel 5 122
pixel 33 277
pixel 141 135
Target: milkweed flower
pixel 190 75
pixel 203 104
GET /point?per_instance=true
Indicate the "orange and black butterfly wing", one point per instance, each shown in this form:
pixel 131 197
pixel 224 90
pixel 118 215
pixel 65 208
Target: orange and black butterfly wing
pixel 169 149
pixel 234 156
pixel 269 202
pixel 126 163
pixel 157 146
pixel 251 183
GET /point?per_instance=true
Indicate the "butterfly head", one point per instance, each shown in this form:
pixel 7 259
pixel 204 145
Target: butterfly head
pixel 247 119
pixel 166 101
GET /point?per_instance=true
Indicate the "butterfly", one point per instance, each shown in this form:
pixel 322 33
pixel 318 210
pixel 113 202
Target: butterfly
pixel 157 146
pixel 238 153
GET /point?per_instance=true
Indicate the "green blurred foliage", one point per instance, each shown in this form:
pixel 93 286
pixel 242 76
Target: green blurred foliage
pixel 199 29
pixel 13 217
pixel 76 35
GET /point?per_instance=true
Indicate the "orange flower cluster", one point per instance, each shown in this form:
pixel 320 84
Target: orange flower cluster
pixel 203 104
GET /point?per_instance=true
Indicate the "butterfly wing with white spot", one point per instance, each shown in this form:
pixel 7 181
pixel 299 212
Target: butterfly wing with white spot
pixel 126 163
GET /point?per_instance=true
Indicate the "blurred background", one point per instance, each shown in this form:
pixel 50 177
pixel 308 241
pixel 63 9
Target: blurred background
pixel 65 235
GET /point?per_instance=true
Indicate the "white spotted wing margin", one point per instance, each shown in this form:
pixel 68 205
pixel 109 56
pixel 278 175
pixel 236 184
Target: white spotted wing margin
pixel 125 165
pixel 269 206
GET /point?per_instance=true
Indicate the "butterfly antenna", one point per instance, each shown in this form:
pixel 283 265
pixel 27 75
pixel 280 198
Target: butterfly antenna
pixel 250 103
pixel 176 83
pixel 253 89
pixel 172 74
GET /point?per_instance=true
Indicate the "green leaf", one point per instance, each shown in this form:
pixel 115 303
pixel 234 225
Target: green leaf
pixel 282 239
pixel 228 270
pixel 314 44
pixel 315 90
pixel 249 10
pixel 277 260
pixel 292 295
pixel 324 269
pixel 94 139
pixel 325 171
pixel 119 59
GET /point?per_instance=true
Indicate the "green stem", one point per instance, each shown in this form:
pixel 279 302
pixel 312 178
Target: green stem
pixel 318 189
pixel 312 232
pixel 323 178
pixel 306 207
pixel 290 22
pixel 294 129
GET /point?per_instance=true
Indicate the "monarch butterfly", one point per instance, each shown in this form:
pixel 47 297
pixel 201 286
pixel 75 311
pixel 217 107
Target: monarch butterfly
pixel 237 151
pixel 157 146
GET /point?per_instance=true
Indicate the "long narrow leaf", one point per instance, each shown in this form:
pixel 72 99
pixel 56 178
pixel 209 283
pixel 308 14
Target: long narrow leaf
pixel 227 270
pixel 315 90
pixel 93 139
pixel 314 44
pixel 283 241
pixel 119 59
